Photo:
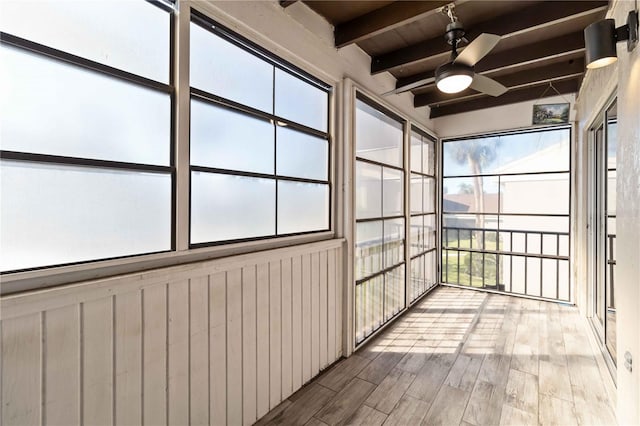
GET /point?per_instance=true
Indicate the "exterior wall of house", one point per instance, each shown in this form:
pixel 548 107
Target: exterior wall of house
pixel 599 85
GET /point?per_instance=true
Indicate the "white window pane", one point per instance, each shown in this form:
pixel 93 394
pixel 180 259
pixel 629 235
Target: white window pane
pixel 393 242
pixel 416 235
pixel 52 214
pixel 416 152
pixel 416 193
pixel 219 67
pixel 428 157
pixel 302 207
pixel 393 193
pixel 429 231
pixel 227 207
pixel 368 190
pixel 535 193
pixel 368 254
pixel 429 195
pixel 301 155
pixel 299 101
pixel 225 139
pixel 128 35
pixel 378 136
pixel 49 107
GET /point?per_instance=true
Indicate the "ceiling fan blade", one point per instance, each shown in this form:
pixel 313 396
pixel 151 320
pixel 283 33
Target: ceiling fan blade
pixel 410 86
pixel 478 49
pixel 487 85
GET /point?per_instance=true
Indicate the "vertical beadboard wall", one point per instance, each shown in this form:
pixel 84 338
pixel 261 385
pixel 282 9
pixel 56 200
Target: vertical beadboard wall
pixel 216 342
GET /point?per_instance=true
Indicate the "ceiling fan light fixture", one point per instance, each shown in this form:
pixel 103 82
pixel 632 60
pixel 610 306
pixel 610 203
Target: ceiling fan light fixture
pixel 453 77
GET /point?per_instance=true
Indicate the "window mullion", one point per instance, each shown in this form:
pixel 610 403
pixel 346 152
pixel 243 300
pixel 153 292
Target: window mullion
pixel 180 62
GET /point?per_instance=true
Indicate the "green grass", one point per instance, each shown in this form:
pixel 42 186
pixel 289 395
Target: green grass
pixel 450 261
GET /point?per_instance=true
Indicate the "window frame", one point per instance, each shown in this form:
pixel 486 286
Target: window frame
pixel 527 255
pixel 384 271
pixel 424 255
pixel 218 30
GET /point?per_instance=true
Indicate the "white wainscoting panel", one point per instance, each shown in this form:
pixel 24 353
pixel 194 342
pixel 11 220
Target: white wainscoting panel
pixel 215 342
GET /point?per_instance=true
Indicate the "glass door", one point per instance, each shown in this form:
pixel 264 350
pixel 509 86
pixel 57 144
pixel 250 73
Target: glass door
pixel 611 134
pixel 603 235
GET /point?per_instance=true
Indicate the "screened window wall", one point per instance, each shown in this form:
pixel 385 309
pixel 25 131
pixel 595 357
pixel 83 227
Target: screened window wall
pixel 87 143
pixel 86 169
pixel 382 289
pixel 422 227
pixel 259 142
pixel 505 213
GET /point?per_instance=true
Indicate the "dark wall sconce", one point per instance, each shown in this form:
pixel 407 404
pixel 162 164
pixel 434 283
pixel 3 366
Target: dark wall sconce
pixel 601 37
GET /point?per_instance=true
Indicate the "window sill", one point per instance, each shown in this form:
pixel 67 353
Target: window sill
pixel 18 282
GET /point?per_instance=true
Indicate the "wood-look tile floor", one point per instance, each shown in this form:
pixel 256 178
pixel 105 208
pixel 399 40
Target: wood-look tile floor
pixel 462 357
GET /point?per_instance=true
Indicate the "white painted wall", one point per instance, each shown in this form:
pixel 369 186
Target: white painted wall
pixel 507 117
pixel 598 86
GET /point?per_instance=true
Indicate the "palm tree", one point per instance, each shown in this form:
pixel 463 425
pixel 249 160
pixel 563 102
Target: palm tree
pixel 476 154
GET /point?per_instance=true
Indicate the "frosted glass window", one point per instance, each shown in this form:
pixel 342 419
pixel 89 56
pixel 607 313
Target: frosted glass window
pixel 393 242
pixel 415 235
pixel 368 254
pixel 429 231
pixel 302 207
pixel 52 214
pixel 368 191
pixel 49 107
pixel 224 69
pixel 428 191
pixel 128 35
pixel 422 154
pixel 393 192
pixel 299 101
pixel 378 136
pixel 428 157
pixel 416 193
pixel 416 152
pixel 227 207
pixel 225 139
pixel 301 155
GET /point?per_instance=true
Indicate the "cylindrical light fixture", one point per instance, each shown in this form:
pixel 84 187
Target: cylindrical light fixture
pixel 453 77
pixel 600 43
pixel 601 37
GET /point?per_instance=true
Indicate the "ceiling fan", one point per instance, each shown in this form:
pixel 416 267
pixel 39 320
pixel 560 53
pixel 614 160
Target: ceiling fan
pixel 458 74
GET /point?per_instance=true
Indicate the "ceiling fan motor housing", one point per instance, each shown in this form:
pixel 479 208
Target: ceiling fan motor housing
pixel 454 32
pixel 453 68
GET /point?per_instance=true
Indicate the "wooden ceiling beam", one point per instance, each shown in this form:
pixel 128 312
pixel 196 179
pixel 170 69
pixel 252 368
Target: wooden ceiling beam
pixel 547 49
pixel 517 95
pixel 287 3
pixel 536 16
pixel 384 19
pixel 528 77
